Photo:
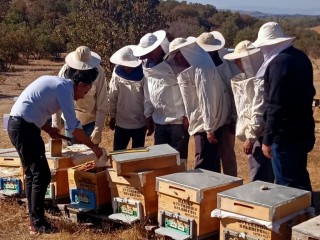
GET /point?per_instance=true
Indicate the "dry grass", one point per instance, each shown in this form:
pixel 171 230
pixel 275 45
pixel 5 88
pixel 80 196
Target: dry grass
pixel 13 217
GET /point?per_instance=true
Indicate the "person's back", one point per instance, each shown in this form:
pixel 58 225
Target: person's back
pixel 290 77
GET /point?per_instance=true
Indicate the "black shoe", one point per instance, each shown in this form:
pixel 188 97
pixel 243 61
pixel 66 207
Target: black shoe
pixel 45 228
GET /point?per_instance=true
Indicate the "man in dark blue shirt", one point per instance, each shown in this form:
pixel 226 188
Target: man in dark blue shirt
pixel 289 91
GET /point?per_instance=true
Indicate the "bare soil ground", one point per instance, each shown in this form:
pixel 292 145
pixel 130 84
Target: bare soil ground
pixel 13 218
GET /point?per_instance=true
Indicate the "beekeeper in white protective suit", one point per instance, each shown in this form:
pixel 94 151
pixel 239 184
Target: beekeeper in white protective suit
pixel 92 109
pixel 248 95
pixel 213 43
pixel 126 98
pixel 163 102
pixel 203 97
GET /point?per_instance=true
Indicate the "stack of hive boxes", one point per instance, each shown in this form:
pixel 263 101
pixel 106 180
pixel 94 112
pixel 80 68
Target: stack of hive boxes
pixel 186 201
pixel 261 210
pixel 132 180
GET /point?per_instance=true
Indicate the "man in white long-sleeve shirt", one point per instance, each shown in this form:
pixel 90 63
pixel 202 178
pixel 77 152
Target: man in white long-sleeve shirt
pixel 163 101
pixel 213 43
pixel 203 97
pixel 92 109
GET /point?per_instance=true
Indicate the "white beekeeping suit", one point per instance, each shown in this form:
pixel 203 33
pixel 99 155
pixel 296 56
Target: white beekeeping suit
pixel 126 98
pixel 202 91
pixel 162 95
pixel 248 95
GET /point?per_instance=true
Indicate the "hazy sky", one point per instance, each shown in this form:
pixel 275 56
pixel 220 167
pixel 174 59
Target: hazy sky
pixel 311 7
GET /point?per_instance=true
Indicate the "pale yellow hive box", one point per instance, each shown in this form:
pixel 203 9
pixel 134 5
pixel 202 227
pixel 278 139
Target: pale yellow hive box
pixel 149 158
pixel 185 202
pixel 89 187
pixel 260 210
pixel 134 195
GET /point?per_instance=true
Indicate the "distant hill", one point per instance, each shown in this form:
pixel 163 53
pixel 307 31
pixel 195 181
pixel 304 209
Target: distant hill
pixel 266 15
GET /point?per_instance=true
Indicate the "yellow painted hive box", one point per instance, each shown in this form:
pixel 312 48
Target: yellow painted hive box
pixel 149 158
pixel 185 202
pixel 9 158
pixel 139 187
pixel 89 186
pixel 260 210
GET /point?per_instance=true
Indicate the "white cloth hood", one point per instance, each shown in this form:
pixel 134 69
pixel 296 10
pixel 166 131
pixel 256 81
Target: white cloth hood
pixel 252 63
pixel 196 56
pixel 270 52
pixel 202 91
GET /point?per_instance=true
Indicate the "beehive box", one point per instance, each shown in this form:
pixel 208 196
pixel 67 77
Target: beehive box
pixel 185 202
pixel 261 210
pixel 154 157
pixel 14 175
pixel 309 230
pixel 58 188
pixel 139 191
pixel 9 158
pixel 89 187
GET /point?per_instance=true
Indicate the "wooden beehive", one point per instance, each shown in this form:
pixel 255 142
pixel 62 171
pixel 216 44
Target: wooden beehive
pixel 93 182
pixel 154 157
pixel 139 187
pixel 9 158
pixel 185 202
pixel 261 210
pixel 11 168
pixel 309 230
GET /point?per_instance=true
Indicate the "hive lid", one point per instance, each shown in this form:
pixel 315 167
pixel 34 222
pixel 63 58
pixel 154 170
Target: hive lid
pixel 153 151
pixel 274 195
pixel 198 179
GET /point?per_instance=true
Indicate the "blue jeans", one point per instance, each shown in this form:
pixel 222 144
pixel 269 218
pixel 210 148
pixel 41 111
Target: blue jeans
pixel 87 128
pixel 289 164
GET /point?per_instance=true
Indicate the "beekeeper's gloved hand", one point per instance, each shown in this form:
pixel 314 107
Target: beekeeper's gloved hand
pixel 96 136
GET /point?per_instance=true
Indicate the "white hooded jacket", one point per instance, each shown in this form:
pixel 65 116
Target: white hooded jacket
pixel 126 102
pixel 202 91
pixel 163 99
pixel 248 95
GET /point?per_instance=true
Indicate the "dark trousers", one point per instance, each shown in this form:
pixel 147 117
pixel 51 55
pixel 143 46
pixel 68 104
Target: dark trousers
pixel 289 163
pixel 26 137
pixel 174 135
pixel 206 154
pixel 260 165
pixel 122 137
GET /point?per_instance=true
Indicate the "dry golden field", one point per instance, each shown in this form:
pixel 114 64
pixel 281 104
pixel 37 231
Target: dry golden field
pixel 13 217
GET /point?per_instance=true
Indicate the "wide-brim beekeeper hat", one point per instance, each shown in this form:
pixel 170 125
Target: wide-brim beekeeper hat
pixel 83 59
pixel 149 42
pixel 177 44
pixel 211 41
pixel 270 33
pixel 124 57
pixel 243 49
